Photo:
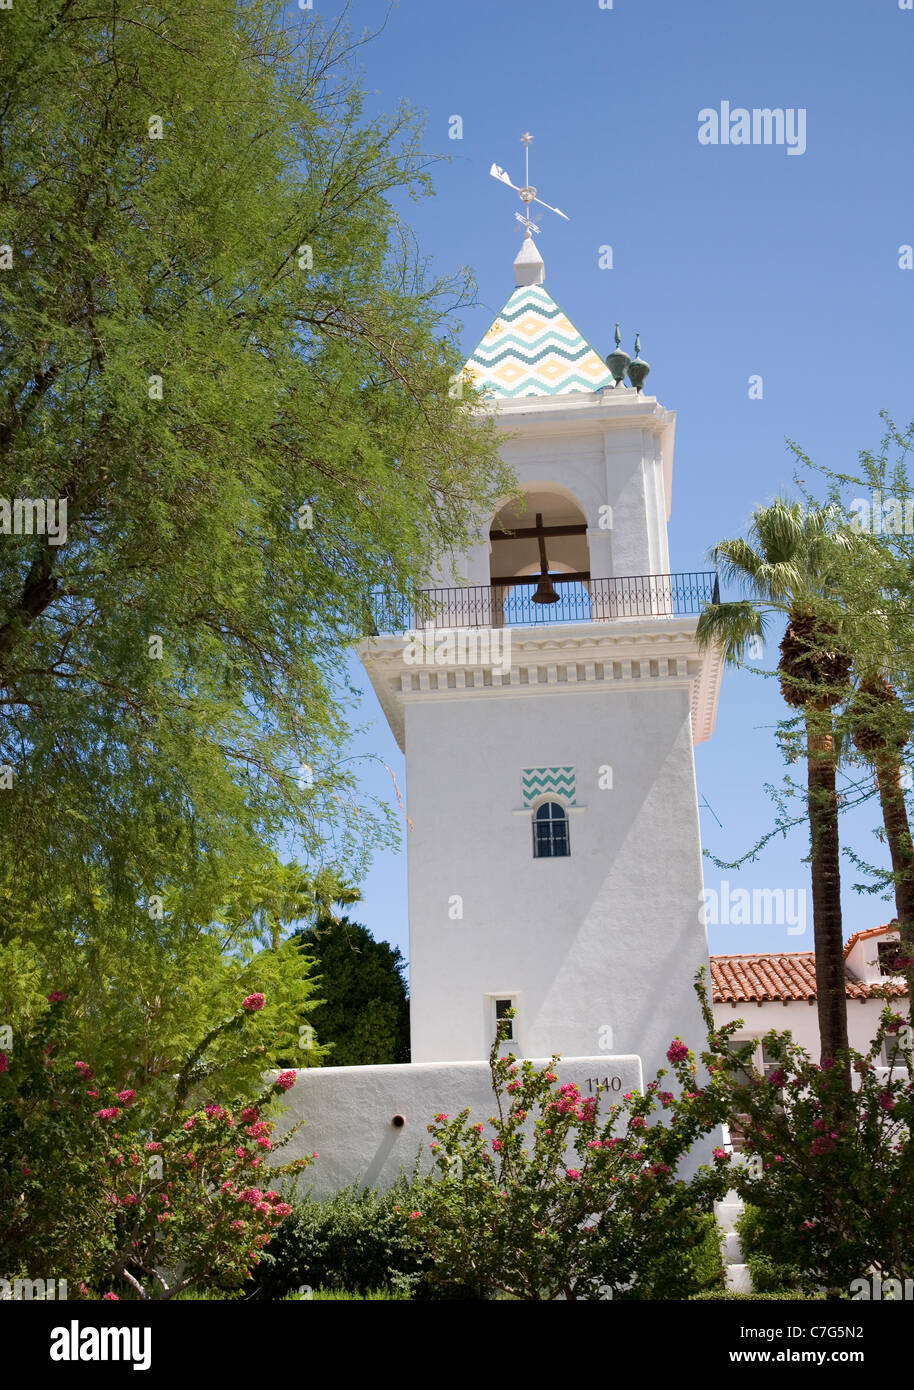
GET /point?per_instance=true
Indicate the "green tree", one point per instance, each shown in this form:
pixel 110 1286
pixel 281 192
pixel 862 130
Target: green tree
pixel 788 566
pixel 364 1017
pixel 875 587
pixel 220 351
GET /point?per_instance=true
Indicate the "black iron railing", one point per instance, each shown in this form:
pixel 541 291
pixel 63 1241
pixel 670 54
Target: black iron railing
pixel 579 601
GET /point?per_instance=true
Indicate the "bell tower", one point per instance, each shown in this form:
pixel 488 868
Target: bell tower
pixel 548 709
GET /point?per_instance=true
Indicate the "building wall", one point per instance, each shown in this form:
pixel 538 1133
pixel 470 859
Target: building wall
pixel 349 1113
pixel 801 1019
pixel 600 460
pixel 601 947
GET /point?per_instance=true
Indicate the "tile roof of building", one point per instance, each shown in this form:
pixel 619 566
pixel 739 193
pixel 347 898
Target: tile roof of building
pixel 780 977
pixel 864 935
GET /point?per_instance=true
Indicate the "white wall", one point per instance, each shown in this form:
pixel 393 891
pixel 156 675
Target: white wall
pixel 801 1019
pixel 609 937
pixel 604 452
pixel 349 1113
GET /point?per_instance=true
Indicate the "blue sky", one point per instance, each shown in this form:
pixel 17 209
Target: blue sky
pixel 731 261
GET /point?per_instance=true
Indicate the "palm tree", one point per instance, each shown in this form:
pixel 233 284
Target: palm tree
pixel 786 565
pixel 881 728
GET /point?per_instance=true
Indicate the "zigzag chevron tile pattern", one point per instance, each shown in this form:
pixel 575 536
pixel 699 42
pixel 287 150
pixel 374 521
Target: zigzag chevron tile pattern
pixel 537 780
pixel 533 349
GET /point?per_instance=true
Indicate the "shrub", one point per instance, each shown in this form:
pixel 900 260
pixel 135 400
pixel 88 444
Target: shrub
pixel 121 1194
pixel 353 1242
pixel 566 1202
pixel 830 1170
pixel 773 1254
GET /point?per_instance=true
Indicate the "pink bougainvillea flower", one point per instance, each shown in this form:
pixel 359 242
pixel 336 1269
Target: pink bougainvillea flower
pixel 93 1094
pixel 677 1051
pixel 637 1122
pixel 776 1077
pixel 57 996
pixel 253 1003
pixel 249 1113
pixel 441 1118
pixel 4 1062
pixel 497 1145
pixel 84 1070
pixel 125 1097
pixel 111 1296
pixel 264 1143
pixel 414 1215
pixel 130 1200
pixel 109 1113
pixel 572 1174
pixel 720 1153
pixel 285 1080
pixel 887 1100
pixel 152 1146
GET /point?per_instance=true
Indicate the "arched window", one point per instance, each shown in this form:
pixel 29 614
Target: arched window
pixel 550 831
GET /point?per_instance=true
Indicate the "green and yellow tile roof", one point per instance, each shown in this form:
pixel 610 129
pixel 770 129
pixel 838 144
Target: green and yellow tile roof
pixel 533 349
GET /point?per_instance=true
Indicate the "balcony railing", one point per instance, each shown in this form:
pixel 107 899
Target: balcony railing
pixel 580 601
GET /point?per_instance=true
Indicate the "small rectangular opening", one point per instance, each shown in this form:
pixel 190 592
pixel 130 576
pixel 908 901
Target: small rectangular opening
pixel 501 1010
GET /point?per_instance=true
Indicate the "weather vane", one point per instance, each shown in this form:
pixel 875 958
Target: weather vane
pixel 527 194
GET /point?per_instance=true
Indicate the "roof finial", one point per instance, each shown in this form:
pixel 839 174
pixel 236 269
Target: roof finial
pixel 618 361
pixel 528 267
pixel 638 369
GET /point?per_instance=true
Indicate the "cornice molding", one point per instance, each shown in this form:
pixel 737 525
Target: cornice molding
pixel 658 654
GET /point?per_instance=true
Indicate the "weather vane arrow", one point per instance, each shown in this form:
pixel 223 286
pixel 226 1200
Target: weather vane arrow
pixel 527 194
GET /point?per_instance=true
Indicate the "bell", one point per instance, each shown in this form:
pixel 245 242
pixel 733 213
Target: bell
pixel 545 591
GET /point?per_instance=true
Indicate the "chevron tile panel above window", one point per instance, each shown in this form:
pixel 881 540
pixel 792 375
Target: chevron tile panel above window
pixel 539 781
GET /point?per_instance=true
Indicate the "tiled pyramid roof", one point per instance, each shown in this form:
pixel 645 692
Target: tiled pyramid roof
pixel 533 349
pixel 790 975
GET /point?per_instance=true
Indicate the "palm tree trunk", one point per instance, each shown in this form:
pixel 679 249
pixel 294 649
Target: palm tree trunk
pixel 831 995
pixel 898 833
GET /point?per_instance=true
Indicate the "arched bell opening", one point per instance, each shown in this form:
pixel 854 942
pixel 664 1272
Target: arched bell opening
pixel 539 560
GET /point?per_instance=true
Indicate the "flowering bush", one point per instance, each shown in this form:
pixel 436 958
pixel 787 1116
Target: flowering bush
pixel 569 1198
pixel 828 1172
pixel 130 1193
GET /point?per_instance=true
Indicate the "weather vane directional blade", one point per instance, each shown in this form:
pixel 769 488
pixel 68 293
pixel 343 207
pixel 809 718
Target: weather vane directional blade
pixel 527 194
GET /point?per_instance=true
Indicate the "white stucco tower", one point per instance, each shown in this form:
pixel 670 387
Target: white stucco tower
pixel 553 856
